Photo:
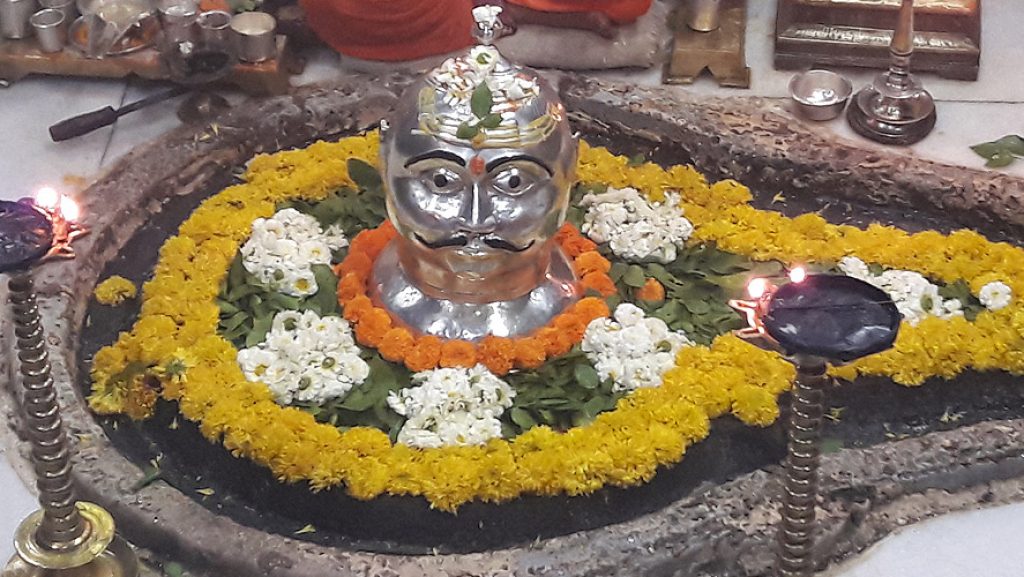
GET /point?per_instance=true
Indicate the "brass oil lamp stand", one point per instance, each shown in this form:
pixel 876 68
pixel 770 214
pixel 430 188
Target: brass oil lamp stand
pixel 895 108
pixel 814 321
pixel 65 537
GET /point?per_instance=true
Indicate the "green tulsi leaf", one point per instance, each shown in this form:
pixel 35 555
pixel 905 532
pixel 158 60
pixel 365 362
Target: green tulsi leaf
pixel 1002 152
pixel 467 131
pixel 481 101
pixel 364 174
pixel 586 376
pixel 634 276
pixel 492 120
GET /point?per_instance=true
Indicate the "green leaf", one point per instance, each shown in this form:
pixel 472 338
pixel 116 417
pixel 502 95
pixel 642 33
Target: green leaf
pixel 636 160
pixel 697 307
pixel 1010 143
pixel 467 131
pixel 260 327
pixel 287 301
pixel 595 406
pixel 659 273
pixel 831 445
pixel 237 272
pixel 173 569
pixel 670 312
pixel 492 120
pixel 586 376
pixel 522 418
pixel 618 270
pixel 364 174
pixel 1000 159
pixel 226 308
pixel 358 399
pixel 152 475
pixel 1002 152
pixel 481 101
pixel 326 297
pixel 234 321
pixel 634 276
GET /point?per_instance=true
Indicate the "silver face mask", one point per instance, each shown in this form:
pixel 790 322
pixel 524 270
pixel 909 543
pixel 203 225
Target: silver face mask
pixel 478 162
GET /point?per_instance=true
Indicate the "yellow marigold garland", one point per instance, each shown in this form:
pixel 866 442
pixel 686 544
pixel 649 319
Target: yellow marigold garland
pixel 176 336
pixel 114 291
pixel 374 327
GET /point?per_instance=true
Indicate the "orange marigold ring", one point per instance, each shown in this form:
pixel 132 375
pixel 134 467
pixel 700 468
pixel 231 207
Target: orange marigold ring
pixel 375 327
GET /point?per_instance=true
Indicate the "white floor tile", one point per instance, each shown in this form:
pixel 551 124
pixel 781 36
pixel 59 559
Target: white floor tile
pixel 985 542
pixel 142 125
pixel 16 502
pixel 28 158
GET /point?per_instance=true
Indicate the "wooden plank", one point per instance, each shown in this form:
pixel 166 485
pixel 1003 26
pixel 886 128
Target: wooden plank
pixel 21 58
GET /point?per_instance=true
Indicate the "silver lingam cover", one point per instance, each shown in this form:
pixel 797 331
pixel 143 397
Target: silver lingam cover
pixel 478 163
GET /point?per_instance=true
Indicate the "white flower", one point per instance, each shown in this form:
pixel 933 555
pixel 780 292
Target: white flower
pixel 632 350
pixel 995 295
pixel 628 314
pixel 635 228
pixel 451 406
pixel 282 249
pixel 305 358
pixel 914 295
pixel 853 266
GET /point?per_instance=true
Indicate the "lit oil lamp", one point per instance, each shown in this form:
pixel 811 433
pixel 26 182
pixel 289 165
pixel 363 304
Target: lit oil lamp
pixel 66 536
pixel 814 320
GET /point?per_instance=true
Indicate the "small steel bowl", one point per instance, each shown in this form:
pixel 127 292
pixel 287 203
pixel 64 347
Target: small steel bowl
pixel 820 94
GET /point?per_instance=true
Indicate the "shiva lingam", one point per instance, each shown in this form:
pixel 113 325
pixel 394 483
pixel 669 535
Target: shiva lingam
pixel 814 321
pixel 66 536
pixel 478 164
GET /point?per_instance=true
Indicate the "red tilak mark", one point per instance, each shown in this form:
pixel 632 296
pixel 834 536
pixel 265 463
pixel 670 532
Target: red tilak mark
pixel 476 165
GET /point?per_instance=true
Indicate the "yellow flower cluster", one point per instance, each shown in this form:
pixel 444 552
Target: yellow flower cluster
pixel 176 337
pixel 114 291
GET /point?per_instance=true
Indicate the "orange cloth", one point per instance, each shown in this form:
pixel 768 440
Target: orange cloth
pixel 391 30
pixel 619 11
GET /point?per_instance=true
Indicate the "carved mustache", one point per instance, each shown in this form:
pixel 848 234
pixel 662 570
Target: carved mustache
pixel 463 239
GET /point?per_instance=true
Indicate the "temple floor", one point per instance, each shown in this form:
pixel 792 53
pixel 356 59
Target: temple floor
pixel 977 542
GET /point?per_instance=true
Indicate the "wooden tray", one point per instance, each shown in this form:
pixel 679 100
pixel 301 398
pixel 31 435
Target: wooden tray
pixel 20 58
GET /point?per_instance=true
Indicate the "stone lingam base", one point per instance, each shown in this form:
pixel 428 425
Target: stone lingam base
pixel 906 463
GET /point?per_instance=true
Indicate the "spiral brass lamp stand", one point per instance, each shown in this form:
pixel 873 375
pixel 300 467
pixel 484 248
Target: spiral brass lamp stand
pixel 65 537
pixel 814 321
pixel 800 493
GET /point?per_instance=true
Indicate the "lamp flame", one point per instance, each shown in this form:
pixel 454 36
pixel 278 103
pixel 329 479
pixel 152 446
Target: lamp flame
pixel 798 274
pixel 47 198
pixel 757 287
pixel 69 209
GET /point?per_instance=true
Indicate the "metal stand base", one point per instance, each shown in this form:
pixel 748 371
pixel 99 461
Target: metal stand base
pixel 117 560
pixel 721 51
pixel 885 132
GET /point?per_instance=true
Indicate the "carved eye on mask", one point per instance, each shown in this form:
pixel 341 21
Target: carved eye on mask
pixel 441 180
pixel 514 180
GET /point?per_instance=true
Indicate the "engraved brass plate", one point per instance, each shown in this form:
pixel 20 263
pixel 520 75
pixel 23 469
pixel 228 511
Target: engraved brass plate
pixel 947 38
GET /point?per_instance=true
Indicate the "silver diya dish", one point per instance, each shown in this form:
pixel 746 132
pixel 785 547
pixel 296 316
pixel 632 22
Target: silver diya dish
pixel 820 94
